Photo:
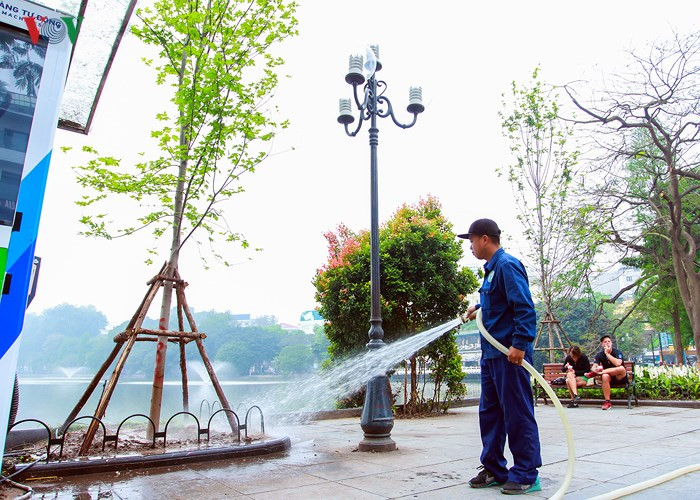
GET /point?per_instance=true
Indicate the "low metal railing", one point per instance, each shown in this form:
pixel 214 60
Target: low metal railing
pixel 60 440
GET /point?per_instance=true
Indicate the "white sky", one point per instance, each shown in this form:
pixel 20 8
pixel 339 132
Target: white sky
pixel 463 54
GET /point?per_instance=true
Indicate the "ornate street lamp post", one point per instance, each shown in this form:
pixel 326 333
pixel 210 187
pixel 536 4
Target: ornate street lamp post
pixel 377 419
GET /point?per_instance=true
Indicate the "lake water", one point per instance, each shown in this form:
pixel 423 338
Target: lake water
pixel 52 399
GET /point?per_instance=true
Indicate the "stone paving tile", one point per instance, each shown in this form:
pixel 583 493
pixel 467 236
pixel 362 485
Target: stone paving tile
pixel 406 456
pixel 324 491
pixel 644 474
pixel 462 490
pixel 401 483
pixel 590 470
pixel 551 484
pixel 346 469
pixel 260 478
pixel 625 457
pixel 179 490
pixel 89 493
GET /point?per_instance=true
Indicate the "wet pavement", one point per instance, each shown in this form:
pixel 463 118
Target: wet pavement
pixel 436 457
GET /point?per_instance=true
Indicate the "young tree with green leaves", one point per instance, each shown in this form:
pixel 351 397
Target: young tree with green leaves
pixel 421 281
pixel 542 179
pixel 215 57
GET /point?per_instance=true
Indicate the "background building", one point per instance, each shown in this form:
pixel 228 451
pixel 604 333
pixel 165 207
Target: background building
pixel 611 282
pixel 309 320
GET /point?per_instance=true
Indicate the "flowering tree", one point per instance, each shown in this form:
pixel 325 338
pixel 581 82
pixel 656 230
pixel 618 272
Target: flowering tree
pixel 421 282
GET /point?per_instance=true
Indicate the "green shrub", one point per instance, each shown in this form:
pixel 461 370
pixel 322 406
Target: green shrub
pixel 668 382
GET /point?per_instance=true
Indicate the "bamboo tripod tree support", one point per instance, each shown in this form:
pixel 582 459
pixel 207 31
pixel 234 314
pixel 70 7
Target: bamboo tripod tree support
pixel 554 332
pixel 135 333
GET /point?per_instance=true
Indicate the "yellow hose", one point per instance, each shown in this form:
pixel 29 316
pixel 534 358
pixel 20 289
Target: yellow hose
pixel 628 490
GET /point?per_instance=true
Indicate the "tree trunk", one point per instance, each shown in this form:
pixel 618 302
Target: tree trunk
pixel 688 285
pixel 170 272
pixel 677 340
pixel 414 386
pixel 683 259
pixel 405 388
pixel 161 351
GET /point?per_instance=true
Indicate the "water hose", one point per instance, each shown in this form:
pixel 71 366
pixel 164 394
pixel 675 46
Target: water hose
pixel 619 493
pixel 628 490
pixel 567 427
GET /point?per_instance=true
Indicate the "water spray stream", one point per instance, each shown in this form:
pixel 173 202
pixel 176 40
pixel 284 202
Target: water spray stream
pixel 302 398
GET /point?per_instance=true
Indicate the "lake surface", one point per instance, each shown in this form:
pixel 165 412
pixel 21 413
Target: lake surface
pixel 52 399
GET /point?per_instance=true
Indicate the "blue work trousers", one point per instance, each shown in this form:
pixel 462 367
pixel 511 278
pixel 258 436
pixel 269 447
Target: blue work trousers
pixel 506 408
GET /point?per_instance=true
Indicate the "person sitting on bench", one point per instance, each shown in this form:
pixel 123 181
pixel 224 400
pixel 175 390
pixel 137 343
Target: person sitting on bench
pixel 609 365
pixel 575 366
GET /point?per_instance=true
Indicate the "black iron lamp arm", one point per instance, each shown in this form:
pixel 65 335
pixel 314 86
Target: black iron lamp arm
pixel 365 102
pixel 363 107
pixel 390 112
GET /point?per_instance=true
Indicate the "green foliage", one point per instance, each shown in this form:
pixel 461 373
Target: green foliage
pixel 71 336
pixel 668 382
pixel 294 359
pixel 320 345
pixel 63 336
pixel 421 284
pixel 215 59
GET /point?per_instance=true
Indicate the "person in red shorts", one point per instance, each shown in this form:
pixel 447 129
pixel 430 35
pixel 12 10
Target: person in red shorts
pixel 609 365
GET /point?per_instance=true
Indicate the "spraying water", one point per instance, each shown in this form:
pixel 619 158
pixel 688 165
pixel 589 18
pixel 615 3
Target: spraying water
pixel 321 391
pixel 199 368
pixel 70 371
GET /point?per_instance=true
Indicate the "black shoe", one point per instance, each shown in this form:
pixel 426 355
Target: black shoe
pixel 511 488
pixel 484 479
pixel 575 402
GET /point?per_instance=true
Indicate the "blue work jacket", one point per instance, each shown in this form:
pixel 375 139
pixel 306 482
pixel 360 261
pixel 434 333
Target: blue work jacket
pixel 506 305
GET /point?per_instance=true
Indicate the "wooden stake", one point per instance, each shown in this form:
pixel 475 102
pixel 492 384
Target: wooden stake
pixel 140 314
pixel 106 395
pixel 91 387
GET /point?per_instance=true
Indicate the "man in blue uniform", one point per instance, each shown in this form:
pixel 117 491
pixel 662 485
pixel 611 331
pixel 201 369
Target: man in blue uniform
pixel 506 406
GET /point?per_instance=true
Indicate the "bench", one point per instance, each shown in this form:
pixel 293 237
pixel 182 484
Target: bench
pixel 552 371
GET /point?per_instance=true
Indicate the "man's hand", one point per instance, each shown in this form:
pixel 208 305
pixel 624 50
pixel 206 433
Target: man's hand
pixel 608 350
pixel 471 313
pixel 516 356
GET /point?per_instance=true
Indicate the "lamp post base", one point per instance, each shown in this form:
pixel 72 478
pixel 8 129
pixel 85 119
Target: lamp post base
pixel 377 444
pixel 377 418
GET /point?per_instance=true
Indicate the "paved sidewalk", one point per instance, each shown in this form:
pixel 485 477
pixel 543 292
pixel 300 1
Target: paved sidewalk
pixel 435 460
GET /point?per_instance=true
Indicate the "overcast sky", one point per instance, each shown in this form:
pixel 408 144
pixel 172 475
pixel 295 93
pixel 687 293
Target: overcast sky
pixel 463 54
